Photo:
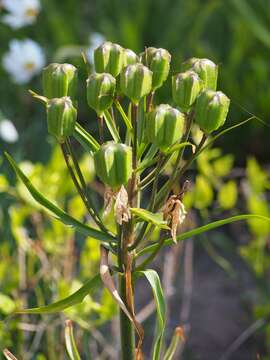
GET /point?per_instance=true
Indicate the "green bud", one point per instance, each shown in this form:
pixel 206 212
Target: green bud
pixel 129 57
pixel 206 69
pixel 158 61
pixel 185 89
pixel 59 80
pixel 211 110
pixel 113 164
pixel 61 118
pixel 109 58
pixel 164 126
pixel 136 82
pixel 100 92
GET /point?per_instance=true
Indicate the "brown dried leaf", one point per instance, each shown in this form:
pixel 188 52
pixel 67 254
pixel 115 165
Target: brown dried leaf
pixel 121 207
pixel 108 281
pixel 8 355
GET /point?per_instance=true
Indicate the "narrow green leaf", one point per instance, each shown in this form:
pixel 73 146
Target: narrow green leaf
pixel 177 339
pixel 56 211
pixel 88 142
pixel 123 114
pixel 71 300
pixel 111 126
pixel 155 219
pixel 176 147
pixel 203 229
pixel 153 279
pixel 71 347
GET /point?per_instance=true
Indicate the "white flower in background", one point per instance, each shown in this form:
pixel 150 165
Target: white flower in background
pixel 8 131
pixel 24 59
pixel 20 12
pixel 96 39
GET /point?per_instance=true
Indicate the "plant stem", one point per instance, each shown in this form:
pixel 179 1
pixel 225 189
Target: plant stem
pixel 126 327
pixel 101 128
pixel 67 157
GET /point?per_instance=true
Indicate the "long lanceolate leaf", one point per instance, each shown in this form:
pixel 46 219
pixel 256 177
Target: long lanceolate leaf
pixel 154 281
pixel 203 229
pixel 56 211
pixel 74 299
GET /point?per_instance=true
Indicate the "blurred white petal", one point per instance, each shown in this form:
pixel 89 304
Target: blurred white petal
pixel 24 59
pixel 96 39
pixel 8 131
pixel 20 12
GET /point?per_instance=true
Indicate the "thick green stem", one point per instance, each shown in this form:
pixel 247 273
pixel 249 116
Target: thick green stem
pixel 126 327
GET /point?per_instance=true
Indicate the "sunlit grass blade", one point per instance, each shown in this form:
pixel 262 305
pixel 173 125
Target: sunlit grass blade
pixel 203 229
pixel 88 142
pixel 111 126
pixel 56 211
pixel 177 340
pixel 153 279
pixel 71 347
pixel 74 299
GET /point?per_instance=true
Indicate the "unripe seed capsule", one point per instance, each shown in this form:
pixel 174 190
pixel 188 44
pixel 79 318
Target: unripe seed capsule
pixel 100 92
pixel 158 61
pixel 109 58
pixel 185 89
pixel 59 80
pixel 61 118
pixel 136 82
pixel 129 57
pixel 211 110
pixel 164 126
pixel 206 69
pixel 113 164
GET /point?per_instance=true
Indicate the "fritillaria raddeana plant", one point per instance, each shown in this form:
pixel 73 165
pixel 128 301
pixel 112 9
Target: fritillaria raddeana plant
pixel 144 137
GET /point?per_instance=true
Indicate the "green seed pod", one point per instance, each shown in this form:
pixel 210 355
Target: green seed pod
pixel 100 92
pixel 158 61
pixel 211 110
pixel 61 118
pixel 113 164
pixel 129 57
pixel 185 89
pixel 164 126
pixel 206 69
pixel 136 82
pixel 109 58
pixel 59 80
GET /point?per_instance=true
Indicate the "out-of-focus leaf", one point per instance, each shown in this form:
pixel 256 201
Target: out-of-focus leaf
pixel 70 342
pixel 203 193
pixel 155 219
pixel 227 195
pixel 258 205
pixel 7 305
pixel 205 228
pixel 57 212
pixel 153 279
pixel 223 165
pixel 63 304
pixel 256 176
